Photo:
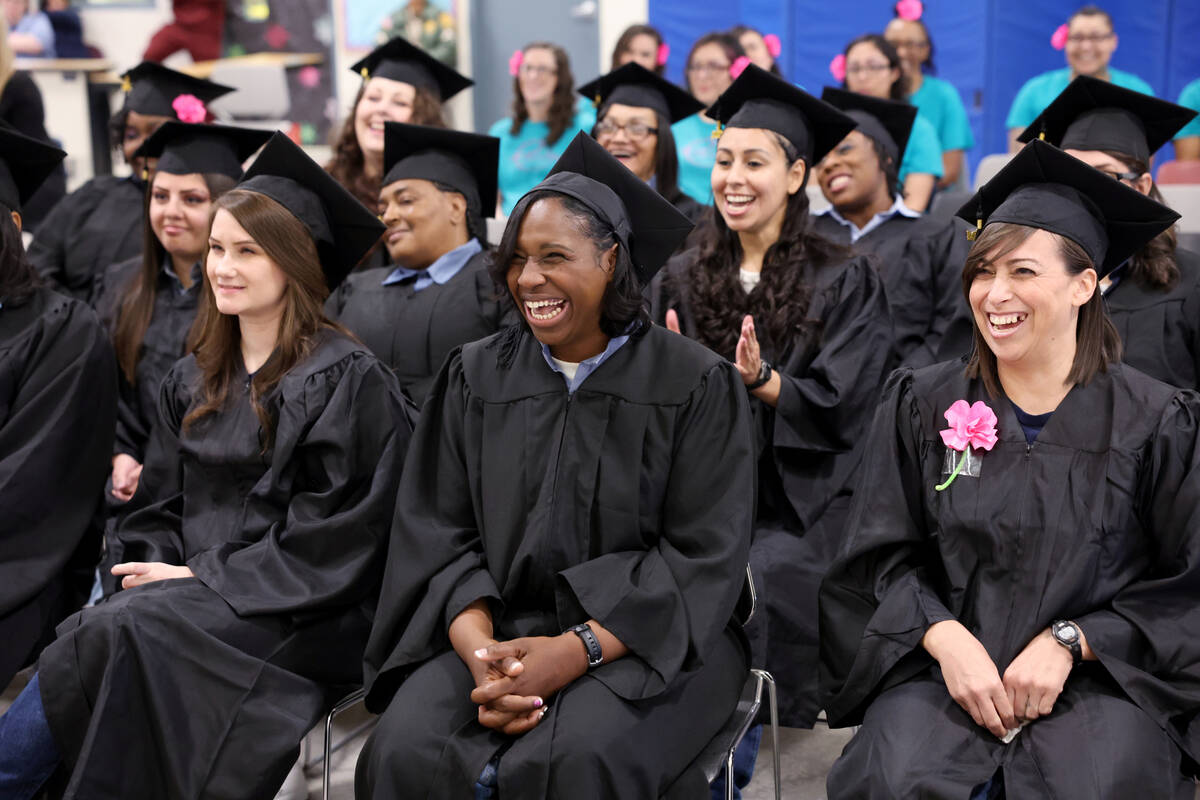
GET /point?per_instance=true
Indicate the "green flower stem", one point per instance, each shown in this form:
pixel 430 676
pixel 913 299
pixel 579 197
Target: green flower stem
pixel 942 486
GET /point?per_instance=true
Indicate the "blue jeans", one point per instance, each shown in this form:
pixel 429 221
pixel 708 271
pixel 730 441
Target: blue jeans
pixel 743 765
pixel 28 754
pixel 489 780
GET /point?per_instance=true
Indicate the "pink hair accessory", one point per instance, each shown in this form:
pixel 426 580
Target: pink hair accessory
pixel 664 52
pixel 910 10
pixel 514 62
pixel 837 68
pixel 1059 40
pixel 738 66
pixel 774 46
pixel 189 108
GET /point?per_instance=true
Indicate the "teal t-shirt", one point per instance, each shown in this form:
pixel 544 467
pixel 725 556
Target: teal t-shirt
pixel 1040 91
pixel 1190 97
pixel 938 101
pixel 923 154
pixel 697 152
pixel 526 158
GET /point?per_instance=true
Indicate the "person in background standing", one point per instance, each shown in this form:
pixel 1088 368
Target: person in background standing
pixel 644 45
pixel 21 107
pixel 761 50
pixel 1187 141
pixel 710 71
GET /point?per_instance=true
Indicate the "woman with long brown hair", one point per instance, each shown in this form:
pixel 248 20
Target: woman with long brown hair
pixel 250 564
pixel 546 115
pixel 149 302
pixel 401 83
pixel 1154 298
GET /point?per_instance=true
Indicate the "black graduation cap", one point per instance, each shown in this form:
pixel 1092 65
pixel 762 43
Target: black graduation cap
pixel 888 122
pixel 466 161
pixel 184 148
pixel 648 226
pixel 399 60
pixel 151 88
pixel 758 99
pixel 1043 187
pixel 342 227
pixel 25 163
pixel 634 85
pixel 1091 114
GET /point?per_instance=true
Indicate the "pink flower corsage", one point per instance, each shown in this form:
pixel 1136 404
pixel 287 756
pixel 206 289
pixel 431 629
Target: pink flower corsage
pixel 738 66
pixel 514 62
pixel 774 46
pixel 189 108
pixel 837 68
pixel 971 426
pixel 664 52
pixel 1059 40
pixel 910 10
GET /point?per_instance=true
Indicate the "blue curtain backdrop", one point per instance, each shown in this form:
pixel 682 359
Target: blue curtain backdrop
pixel 986 48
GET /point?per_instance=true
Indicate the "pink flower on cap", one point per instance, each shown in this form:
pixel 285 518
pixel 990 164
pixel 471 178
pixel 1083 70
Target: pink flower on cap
pixel 189 108
pixel 664 52
pixel 738 67
pixel 1059 40
pixel 837 67
pixel 774 46
pixel 514 61
pixel 910 10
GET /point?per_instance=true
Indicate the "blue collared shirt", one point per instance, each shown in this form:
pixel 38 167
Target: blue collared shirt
pixel 440 271
pixel 857 233
pixel 169 270
pixel 586 367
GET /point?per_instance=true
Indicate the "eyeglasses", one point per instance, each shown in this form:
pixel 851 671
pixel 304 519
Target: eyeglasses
pixel 855 69
pixel 636 130
pixel 1089 38
pixel 908 44
pixel 708 66
pixel 536 69
pixel 1122 176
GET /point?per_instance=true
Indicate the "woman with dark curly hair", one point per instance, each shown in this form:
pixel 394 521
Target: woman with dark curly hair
pixel 99 224
pixel 401 83
pixel 808 327
pixel 545 116
pixel 1154 298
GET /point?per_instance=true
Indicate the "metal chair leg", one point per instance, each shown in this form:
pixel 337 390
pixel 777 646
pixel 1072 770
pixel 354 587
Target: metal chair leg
pixel 729 774
pixel 343 704
pixel 773 701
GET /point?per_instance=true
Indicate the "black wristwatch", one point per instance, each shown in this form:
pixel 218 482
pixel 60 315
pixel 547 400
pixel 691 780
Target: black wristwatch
pixel 1067 634
pixel 764 375
pixel 594 654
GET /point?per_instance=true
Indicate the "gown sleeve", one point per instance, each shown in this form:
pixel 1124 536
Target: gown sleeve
pixel 48 251
pixel 941 257
pixel 878 599
pixel 55 450
pixel 341 472
pixel 670 602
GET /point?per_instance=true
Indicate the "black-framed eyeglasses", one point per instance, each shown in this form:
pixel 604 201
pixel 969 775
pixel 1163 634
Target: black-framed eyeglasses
pixel 635 130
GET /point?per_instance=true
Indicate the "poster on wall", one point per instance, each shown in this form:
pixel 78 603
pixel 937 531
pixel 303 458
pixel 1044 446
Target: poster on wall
pixel 429 24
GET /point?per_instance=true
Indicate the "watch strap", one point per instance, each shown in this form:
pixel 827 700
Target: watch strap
pixel 764 375
pixel 595 654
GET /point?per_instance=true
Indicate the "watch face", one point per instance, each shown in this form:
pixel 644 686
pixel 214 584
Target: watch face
pixel 1067 633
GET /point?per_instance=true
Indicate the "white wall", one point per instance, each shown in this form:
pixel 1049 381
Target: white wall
pixel 615 17
pixel 123 33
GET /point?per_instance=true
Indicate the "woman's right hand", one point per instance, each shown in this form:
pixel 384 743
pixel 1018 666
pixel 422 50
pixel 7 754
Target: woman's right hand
pixel 971 676
pixel 125 474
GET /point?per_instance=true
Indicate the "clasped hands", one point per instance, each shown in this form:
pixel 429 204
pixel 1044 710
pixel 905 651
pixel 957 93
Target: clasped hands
pixel 514 679
pixel 1028 690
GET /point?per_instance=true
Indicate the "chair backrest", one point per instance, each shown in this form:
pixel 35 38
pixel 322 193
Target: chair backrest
pixel 262 91
pixel 1184 198
pixel 1179 172
pixel 946 203
pixel 1189 241
pixel 816 201
pixel 988 167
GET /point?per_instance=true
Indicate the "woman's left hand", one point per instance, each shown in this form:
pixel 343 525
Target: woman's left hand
pixel 1036 677
pixel 749 357
pixel 139 573
pixel 548 663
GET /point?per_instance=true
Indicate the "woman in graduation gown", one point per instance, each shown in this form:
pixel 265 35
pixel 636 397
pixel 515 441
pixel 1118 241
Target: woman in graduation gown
pixel 1030 570
pixel 919 258
pixel 635 111
pixel 439 187
pixel 1154 298
pixel 254 552
pixel 58 399
pixel 100 223
pixel 808 327
pixel 149 302
pixel 566 555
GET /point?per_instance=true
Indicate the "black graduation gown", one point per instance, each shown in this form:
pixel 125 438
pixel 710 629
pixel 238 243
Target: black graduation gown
pixel 1160 331
pixel 203 687
pixel 98 224
pixel 413 332
pixel 921 262
pixel 1094 522
pixel 58 399
pixel 163 345
pixel 607 504
pixel 807 457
